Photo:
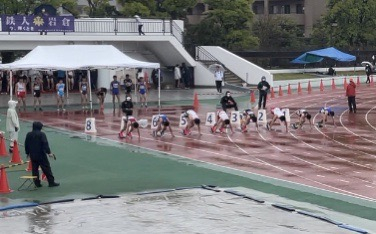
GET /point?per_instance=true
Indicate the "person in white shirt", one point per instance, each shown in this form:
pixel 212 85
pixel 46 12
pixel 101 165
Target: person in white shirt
pixel 277 114
pixel 140 25
pixel 223 121
pixel 192 119
pixel 218 76
pixel 177 76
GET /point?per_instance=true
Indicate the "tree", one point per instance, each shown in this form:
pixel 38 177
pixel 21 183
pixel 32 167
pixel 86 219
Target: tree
pixel 278 33
pixel 100 8
pixel 350 24
pixel 228 24
pixel 177 8
pixel 26 7
pixel 138 7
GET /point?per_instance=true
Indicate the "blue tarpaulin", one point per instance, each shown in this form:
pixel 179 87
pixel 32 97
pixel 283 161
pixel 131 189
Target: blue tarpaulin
pixel 316 56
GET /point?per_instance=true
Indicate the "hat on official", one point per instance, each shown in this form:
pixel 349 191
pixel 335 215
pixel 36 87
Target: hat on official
pixel 263 78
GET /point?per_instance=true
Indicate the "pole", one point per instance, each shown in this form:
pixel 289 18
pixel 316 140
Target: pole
pixel 159 91
pixel 11 84
pixel 90 97
pixel 66 81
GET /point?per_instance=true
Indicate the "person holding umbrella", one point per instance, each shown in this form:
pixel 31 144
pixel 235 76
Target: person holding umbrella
pixel 218 75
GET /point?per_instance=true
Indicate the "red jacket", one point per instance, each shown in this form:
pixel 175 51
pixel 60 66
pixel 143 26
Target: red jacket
pixel 350 90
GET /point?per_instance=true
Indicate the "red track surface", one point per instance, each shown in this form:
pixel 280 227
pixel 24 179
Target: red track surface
pixel 341 159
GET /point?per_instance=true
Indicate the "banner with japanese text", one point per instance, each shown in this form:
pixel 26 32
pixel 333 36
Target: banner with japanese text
pixel 35 23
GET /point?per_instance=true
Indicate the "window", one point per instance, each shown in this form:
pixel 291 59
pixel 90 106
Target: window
pixel 299 9
pixel 286 9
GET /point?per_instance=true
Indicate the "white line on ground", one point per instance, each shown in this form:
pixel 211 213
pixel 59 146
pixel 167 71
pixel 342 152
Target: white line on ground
pixel 344 181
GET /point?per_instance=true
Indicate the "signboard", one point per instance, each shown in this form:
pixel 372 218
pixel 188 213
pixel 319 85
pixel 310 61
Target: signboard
pixel 35 23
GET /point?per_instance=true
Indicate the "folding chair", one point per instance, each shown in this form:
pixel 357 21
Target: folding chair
pixel 27 184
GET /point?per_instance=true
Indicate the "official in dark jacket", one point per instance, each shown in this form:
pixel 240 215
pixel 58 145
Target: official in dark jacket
pixel 37 149
pixel 228 102
pixel 263 87
pixel 127 106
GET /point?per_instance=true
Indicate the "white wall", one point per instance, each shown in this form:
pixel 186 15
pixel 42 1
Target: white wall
pixel 203 77
pixel 239 66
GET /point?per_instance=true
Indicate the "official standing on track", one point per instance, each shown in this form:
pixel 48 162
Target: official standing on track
pixel 350 93
pixel 263 87
pixel 37 149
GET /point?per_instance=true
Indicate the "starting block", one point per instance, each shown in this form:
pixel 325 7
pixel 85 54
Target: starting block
pixel 28 182
pixel 261 117
pixel 183 121
pixel 90 125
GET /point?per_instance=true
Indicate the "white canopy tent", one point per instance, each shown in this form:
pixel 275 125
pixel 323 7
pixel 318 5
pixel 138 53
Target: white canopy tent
pixel 72 57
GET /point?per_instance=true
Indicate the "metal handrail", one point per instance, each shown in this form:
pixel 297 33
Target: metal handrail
pixel 204 55
pixel 117 26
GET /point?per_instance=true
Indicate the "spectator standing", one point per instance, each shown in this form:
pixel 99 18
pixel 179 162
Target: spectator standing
pixel 368 72
pixel 115 90
pixel 21 93
pixel 218 75
pixel 263 87
pixel 37 149
pixel 36 89
pixel 185 75
pixel 350 93
pixel 12 124
pixel 177 76
pixel 128 83
pixel 140 25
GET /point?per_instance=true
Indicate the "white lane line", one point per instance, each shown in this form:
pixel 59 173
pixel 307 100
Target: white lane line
pixel 345 181
pixel 335 168
pixel 369 186
pixel 321 176
pixel 357 172
pixel 366 117
pixel 298 171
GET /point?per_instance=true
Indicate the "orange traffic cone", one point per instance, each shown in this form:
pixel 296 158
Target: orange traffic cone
pixel 272 95
pixel 253 99
pixel 29 166
pixel 280 92
pixel 289 89
pixel 345 84
pixel 358 81
pixel 299 88
pixel 321 86
pixel 309 88
pixel 3 147
pixel 4 186
pixel 333 85
pixel 16 154
pixel 196 103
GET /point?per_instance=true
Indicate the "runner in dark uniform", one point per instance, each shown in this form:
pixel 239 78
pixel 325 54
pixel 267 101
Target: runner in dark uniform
pixel 36 93
pixel 248 115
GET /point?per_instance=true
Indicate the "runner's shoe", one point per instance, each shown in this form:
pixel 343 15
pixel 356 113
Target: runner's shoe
pixel 121 135
pixel 129 135
pixel 212 129
pixel 222 130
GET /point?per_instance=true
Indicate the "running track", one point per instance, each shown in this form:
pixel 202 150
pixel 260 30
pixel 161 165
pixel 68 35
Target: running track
pixel 339 158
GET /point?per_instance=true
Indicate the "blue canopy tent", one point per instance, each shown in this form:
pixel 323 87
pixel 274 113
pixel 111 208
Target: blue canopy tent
pixel 316 56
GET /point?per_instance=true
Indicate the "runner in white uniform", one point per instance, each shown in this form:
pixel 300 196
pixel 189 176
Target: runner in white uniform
pixel 277 114
pixel 223 121
pixel 192 119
